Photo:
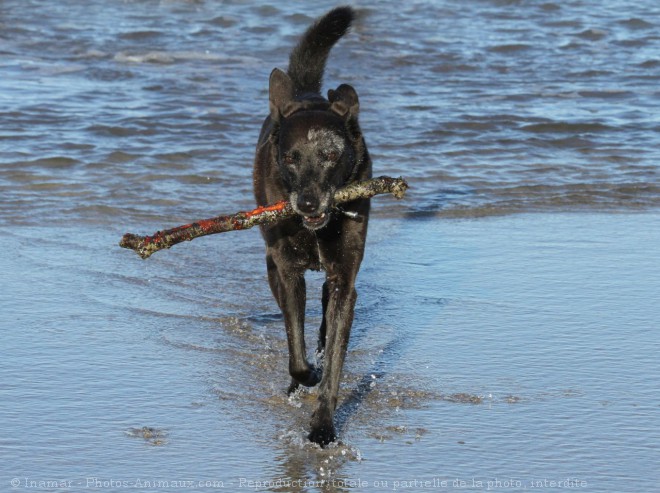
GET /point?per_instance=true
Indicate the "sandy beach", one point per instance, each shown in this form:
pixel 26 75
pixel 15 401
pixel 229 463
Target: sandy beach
pixel 519 348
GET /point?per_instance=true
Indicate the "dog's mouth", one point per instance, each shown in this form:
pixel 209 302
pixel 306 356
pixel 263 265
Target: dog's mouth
pixel 314 210
pixel 316 222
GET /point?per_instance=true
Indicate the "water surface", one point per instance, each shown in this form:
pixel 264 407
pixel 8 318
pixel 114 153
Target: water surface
pixel 506 328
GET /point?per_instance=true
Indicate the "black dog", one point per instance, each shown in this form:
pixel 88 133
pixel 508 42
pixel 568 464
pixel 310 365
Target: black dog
pixel 310 146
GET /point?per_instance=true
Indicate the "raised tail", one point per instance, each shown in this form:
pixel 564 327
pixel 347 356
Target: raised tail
pixel 308 58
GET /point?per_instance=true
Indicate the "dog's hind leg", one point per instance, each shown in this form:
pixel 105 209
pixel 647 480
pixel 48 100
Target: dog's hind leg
pixel 320 350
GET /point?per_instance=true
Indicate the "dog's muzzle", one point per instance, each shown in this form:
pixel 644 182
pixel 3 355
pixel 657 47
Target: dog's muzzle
pixel 314 210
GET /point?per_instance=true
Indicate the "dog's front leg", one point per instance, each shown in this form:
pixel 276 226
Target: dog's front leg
pixel 290 292
pixel 339 318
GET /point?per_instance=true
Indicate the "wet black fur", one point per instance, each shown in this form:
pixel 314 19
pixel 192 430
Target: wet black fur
pixel 309 146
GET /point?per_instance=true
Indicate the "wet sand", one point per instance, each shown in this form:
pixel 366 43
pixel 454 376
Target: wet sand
pixel 500 353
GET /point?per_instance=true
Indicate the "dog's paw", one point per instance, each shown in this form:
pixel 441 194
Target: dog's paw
pixel 323 435
pixel 309 378
pixel 323 428
pixel 315 376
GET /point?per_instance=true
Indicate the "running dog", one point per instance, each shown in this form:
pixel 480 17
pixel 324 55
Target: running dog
pixel 309 147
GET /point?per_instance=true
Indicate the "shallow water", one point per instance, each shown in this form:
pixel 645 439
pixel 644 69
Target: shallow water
pixel 509 348
pixel 520 348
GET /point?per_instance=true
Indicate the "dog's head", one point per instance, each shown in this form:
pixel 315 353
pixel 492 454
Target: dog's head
pixel 315 146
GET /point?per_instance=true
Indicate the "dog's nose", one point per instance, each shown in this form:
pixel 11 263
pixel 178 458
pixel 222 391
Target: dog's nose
pixel 307 204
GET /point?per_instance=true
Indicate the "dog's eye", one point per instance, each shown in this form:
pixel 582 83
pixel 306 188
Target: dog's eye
pixel 289 160
pixel 330 156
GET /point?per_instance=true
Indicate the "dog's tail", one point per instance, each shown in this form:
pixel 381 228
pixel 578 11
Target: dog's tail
pixel 307 60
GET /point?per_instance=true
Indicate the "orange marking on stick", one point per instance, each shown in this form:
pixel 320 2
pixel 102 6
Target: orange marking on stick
pixel 270 208
pixel 206 224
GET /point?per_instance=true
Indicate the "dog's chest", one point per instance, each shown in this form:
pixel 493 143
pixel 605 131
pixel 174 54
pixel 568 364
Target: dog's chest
pixel 303 250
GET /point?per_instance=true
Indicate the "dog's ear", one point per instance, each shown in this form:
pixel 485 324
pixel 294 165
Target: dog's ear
pixel 344 101
pixel 280 94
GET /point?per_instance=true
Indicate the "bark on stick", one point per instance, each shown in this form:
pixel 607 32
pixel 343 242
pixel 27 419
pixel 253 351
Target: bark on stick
pixel 145 246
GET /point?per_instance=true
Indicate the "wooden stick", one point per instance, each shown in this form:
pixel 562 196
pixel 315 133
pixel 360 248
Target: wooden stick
pixel 145 246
